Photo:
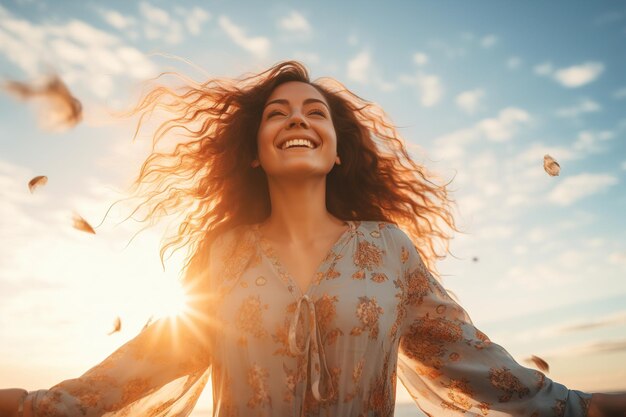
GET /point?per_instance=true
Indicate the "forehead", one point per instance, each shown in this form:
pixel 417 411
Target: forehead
pixel 295 92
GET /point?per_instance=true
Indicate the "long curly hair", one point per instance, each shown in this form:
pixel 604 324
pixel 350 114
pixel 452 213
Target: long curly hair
pixel 207 180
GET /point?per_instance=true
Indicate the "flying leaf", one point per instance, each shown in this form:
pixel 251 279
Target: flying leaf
pixel 539 363
pixel 82 225
pixel 475 259
pixel 551 166
pixel 59 109
pixel 37 182
pixel 117 326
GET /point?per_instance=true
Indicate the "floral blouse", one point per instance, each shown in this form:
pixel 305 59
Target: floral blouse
pixel 373 313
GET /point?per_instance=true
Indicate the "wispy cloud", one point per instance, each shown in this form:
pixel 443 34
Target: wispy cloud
pixel 469 101
pixel 543 69
pixel 575 188
pixel 589 141
pixel 583 106
pixel 256 45
pixel 194 18
pixel 359 67
pixel 158 24
pixel 488 41
pixel 500 128
pixel 429 87
pixel 620 93
pixel 420 58
pixel 610 320
pixel 295 22
pixel 514 62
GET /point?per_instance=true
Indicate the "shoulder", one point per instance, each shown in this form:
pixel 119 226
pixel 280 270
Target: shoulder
pixel 390 232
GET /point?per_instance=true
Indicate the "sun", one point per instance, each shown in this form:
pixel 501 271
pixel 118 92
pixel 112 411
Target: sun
pixel 169 299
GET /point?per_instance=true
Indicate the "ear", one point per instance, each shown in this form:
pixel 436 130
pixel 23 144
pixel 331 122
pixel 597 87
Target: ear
pixel 337 160
pixel 255 163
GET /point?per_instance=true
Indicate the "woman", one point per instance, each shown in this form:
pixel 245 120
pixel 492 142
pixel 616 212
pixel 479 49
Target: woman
pixel 305 296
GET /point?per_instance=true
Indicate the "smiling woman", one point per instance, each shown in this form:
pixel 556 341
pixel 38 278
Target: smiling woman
pixel 311 240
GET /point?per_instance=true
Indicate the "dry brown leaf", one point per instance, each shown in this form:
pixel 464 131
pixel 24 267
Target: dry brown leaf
pixel 551 166
pixel 37 182
pixel 539 363
pixel 60 110
pixel 82 225
pixel 117 326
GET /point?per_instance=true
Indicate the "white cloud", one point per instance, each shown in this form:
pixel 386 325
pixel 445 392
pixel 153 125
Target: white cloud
pixel 580 186
pixel 543 69
pixel 195 18
pixel 295 22
pixel 353 40
pixel 420 58
pixel 488 41
pixel 158 24
pixel 503 127
pixel 497 129
pixel 624 165
pixel 468 101
pixel 620 94
pixel 83 55
pixel 514 62
pixel 592 141
pixel 579 75
pixel 117 20
pixel 359 67
pixel 256 45
pixel 429 87
pixel 583 106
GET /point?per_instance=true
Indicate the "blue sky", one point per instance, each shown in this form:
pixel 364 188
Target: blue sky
pixel 481 92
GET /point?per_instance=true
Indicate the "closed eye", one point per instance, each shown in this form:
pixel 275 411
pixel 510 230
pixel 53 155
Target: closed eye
pixel 275 113
pixel 318 112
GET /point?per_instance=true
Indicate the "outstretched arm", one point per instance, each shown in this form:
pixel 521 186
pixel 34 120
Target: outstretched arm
pixel 450 367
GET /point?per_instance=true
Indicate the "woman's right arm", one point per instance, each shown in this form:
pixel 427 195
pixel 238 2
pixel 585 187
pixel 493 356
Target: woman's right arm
pixel 164 368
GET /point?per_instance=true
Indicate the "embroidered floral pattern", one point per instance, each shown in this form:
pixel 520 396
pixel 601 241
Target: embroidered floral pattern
pixel 368 311
pixel 504 380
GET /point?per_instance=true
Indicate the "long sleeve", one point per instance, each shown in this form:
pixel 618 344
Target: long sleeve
pixel 161 372
pixel 451 368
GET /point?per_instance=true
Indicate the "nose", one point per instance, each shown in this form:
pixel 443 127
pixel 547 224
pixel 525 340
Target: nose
pixel 297 120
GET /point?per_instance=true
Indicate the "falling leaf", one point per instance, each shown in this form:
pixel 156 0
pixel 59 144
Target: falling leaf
pixel 475 259
pixel 59 109
pixel 117 326
pixel 551 166
pixel 539 363
pixel 37 182
pixel 82 225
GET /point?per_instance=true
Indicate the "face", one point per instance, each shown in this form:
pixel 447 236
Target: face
pixel 296 137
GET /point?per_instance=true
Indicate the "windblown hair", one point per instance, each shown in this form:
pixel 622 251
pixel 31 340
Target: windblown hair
pixel 207 178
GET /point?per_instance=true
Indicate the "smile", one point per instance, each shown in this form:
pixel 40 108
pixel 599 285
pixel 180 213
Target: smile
pixel 298 143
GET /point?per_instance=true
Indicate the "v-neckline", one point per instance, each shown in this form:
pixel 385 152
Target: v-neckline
pixel 270 253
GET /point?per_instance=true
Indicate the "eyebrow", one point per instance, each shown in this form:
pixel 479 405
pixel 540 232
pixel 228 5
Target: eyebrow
pixel 307 101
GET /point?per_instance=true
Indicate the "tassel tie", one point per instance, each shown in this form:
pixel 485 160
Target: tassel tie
pixel 312 348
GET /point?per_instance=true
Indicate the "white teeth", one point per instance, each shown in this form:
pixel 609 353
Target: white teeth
pixel 298 142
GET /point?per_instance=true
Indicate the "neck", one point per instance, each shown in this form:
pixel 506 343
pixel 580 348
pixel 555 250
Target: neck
pixel 299 211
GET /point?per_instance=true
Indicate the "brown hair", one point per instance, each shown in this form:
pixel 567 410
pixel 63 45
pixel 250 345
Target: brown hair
pixel 207 176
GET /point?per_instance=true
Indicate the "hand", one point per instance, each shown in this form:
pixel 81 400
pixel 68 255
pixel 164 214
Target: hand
pixel 607 405
pixel 9 399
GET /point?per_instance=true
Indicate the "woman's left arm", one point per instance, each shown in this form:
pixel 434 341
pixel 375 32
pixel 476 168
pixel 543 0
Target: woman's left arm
pixel 451 368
